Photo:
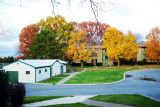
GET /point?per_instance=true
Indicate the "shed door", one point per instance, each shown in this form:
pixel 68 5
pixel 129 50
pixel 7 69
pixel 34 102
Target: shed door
pixel 12 76
pixel 61 69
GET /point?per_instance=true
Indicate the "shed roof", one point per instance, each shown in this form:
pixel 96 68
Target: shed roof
pixel 41 62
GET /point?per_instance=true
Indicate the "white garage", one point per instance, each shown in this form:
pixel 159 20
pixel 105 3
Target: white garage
pixel 31 71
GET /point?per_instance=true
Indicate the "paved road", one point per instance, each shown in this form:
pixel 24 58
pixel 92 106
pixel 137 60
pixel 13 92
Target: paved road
pixel 132 85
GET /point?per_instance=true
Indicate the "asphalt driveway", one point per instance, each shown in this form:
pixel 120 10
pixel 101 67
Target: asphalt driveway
pixel 131 85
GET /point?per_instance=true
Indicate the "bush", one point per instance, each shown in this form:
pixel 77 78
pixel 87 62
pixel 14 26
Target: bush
pixel 4 93
pixel 130 62
pixel 76 64
pixel 99 64
pixel 4 90
pixel 115 63
pixel 17 93
pixel 89 64
pixel 3 77
pixel 140 62
pixel 151 63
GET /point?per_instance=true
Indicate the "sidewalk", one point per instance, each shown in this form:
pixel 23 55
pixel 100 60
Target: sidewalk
pixel 75 99
pixel 65 100
pixel 102 104
pixel 67 78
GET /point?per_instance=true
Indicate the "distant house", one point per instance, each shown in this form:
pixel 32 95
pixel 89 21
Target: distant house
pixel 31 71
pixel 100 56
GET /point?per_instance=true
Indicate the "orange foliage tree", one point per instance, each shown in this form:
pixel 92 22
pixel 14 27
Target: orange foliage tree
pixel 153 45
pixel 118 45
pixel 94 30
pixel 26 38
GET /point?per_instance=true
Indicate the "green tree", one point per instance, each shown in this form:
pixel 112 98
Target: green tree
pixel 61 28
pixel 45 46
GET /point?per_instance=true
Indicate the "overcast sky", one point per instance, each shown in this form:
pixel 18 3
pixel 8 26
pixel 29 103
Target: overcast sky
pixel 139 16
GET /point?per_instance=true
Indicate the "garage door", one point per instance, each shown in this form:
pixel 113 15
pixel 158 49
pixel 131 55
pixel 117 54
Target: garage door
pixel 12 76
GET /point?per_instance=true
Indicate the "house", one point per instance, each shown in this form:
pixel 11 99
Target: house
pixel 34 70
pixel 100 55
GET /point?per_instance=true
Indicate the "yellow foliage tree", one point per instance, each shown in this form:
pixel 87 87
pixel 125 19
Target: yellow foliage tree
pixel 77 48
pixel 153 45
pixel 118 45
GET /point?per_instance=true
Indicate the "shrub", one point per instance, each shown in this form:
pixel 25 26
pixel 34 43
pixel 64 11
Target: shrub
pixel 153 63
pixel 89 64
pixel 3 77
pixel 4 92
pixel 17 93
pixel 76 64
pixel 140 62
pixel 99 64
pixel 115 63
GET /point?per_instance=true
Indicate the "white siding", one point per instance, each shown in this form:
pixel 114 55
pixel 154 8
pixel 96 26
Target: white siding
pixel 22 68
pixel 56 68
pixel 43 75
pixel 64 68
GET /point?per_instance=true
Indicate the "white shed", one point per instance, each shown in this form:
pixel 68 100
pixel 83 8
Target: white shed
pixel 31 71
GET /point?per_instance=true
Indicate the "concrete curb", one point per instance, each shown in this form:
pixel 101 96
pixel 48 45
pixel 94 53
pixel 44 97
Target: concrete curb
pixel 136 94
pixel 150 97
pixel 100 83
pixel 105 83
pixel 42 84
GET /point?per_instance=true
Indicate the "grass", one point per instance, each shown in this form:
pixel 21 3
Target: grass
pixel 54 80
pixel 104 75
pixel 79 67
pixel 39 98
pixel 75 70
pixel 65 75
pixel 128 99
pixel 70 105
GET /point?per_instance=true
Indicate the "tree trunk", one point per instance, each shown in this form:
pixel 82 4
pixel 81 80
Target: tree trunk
pixel 157 62
pixel 118 63
pixel 81 63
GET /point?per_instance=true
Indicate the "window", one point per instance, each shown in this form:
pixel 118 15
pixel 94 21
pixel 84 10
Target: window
pixel 27 72
pixel 39 71
pixel 104 50
pixel 106 57
pixel 45 70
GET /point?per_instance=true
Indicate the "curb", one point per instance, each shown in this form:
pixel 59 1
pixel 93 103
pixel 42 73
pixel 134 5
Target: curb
pixel 99 83
pixel 42 84
pixel 150 97
pixel 105 83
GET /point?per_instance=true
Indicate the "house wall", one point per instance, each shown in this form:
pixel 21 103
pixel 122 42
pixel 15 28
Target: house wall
pixel 56 68
pixel 43 75
pixel 22 68
pixel 64 68
pixel 139 54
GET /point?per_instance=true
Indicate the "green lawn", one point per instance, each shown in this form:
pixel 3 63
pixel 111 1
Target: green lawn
pixel 104 75
pixel 78 67
pixel 54 80
pixel 70 105
pixel 39 98
pixel 127 99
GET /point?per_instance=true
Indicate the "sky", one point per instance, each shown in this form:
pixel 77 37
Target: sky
pixel 138 16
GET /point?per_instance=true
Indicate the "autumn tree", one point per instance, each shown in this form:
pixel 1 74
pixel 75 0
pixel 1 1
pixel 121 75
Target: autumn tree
pixel 153 45
pixel 60 27
pixel 95 31
pixel 77 48
pixel 45 46
pixel 26 38
pixel 118 45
